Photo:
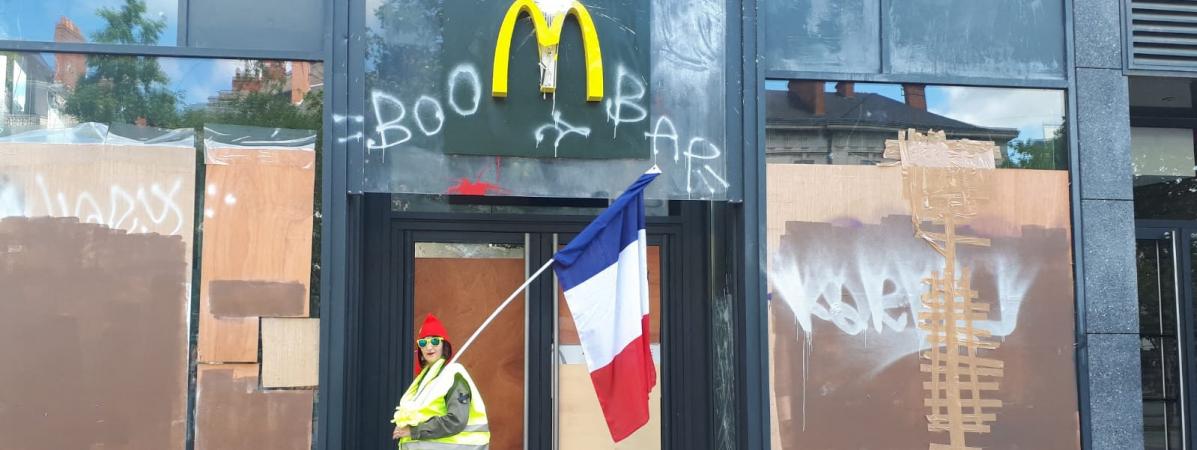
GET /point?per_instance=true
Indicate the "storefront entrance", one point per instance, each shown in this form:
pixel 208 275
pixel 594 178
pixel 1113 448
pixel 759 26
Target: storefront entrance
pixel 528 363
pixel 1165 251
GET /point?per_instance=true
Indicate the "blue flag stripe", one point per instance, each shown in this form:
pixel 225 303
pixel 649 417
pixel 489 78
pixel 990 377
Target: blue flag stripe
pixel 598 246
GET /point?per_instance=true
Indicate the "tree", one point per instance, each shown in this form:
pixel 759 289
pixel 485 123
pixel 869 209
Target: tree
pixel 1050 153
pixel 125 89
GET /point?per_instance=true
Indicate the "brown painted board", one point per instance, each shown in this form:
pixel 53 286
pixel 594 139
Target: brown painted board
pixel 567 331
pixel 232 413
pixel 93 337
pixel 462 292
pixel 137 188
pixel 234 298
pixel 845 267
pixel 290 352
pixel 581 421
pixel 257 228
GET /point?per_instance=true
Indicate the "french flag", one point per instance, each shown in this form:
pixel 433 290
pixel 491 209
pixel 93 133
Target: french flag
pixel 605 277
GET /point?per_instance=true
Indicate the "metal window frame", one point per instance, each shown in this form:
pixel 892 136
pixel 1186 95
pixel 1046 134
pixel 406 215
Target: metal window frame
pixel 335 242
pixel 759 415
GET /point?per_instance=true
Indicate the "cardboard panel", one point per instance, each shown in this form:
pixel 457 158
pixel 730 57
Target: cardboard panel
pixel 232 298
pixel 567 331
pixel 581 419
pixel 849 306
pixel 290 352
pixel 257 227
pixel 93 337
pixel 462 292
pixel 232 414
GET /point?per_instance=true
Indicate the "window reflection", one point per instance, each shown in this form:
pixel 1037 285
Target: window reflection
pixel 824 122
pixel 76 98
pixel 1164 169
pixel 144 22
pixel 47 91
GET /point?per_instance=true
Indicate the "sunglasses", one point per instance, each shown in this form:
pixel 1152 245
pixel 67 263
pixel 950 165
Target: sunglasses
pixel 424 342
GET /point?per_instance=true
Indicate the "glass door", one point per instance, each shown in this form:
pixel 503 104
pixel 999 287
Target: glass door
pixel 462 278
pixel 1159 265
pixel 579 420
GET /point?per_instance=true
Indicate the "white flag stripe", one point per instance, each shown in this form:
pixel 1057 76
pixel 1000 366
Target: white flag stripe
pixel 642 240
pixel 606 326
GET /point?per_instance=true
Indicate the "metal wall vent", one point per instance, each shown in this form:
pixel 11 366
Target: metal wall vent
pixel 1164 34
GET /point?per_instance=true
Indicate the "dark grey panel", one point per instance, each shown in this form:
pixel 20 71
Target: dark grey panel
pixel 1103 121
pixel 1115 398
pixel 1098 30
pixel 1014 39
pixel 823 35
pixel 295 25
pixel 1111 294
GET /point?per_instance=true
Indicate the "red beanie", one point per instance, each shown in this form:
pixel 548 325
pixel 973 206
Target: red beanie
pixel 431 327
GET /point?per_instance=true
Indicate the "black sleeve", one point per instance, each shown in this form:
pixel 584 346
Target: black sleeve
pixel 458 402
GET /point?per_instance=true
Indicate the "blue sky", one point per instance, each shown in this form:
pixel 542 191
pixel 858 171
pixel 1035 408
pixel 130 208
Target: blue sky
pixel 34 20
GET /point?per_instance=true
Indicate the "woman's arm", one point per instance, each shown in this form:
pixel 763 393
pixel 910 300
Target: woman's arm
pixel 458 402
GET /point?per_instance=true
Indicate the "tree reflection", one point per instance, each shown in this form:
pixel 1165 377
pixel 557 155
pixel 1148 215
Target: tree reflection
pixel 125 89
pixel 1043 154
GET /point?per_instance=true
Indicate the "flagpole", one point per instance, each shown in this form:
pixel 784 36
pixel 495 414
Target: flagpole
pixel 498 310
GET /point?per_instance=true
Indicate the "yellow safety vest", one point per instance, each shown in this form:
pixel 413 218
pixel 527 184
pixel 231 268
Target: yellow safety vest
pixel 425 399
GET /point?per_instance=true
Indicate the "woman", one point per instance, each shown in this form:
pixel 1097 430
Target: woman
pixel 442 408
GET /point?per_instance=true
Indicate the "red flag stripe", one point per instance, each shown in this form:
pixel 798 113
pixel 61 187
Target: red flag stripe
pixel 624 384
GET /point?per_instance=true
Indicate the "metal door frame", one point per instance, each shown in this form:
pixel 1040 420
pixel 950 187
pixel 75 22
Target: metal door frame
pixel 1180 233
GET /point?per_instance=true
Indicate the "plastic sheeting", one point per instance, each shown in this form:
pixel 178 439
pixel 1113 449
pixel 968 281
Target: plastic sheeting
pixel 98 133
pixel 674 107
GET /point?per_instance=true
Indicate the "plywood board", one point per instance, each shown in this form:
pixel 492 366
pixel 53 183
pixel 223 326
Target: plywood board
pixel 581 421
pixel 846 195
pixel 462 292
pixel 846 273
pixel 93 337
pixel 232 413
pixel 567 331
pixel 257 227
pixel 136 188
pixel 290 352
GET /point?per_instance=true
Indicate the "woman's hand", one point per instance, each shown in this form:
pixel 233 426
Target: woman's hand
pixel 401 432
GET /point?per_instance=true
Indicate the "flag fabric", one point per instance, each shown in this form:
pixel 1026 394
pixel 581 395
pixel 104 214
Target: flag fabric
pixel 605 277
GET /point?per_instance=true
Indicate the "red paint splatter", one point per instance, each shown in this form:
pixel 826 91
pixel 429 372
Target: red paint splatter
pixel 465 186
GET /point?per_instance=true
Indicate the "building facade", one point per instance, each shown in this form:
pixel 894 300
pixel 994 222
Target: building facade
pixel 879 224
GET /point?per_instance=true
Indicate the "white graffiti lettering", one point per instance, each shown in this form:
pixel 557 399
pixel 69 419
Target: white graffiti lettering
pixel 691 156
pixel 671 135
pixel 391 122
pixel 470 75
pixel 437 112
pixel 562 128
pixel 392 126
pixel 158 206
pixel 629 100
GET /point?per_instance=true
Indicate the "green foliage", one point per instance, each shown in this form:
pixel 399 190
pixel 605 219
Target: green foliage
pixel 262 109
pixel 125 89
pixel 128 25
pixel 1043 154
